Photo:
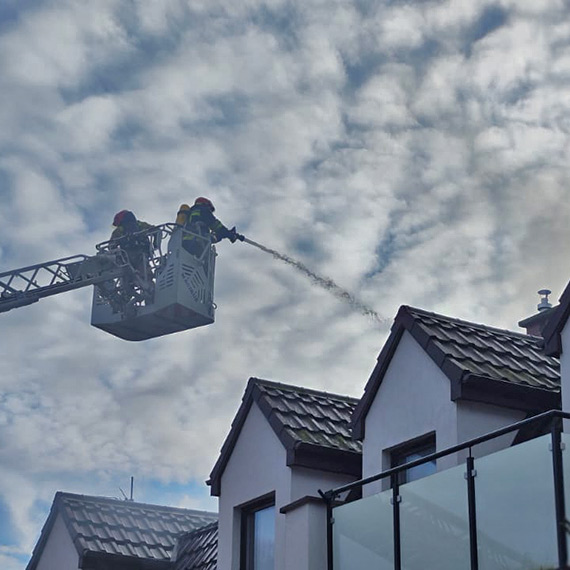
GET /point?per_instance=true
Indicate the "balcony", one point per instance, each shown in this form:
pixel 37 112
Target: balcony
pixel 502 511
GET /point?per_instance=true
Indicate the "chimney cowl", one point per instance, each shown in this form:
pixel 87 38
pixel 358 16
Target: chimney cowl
pixel 544 304
pixel 535 324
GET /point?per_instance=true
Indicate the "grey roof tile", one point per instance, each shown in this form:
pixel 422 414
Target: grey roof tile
pixel 313 417
pixel 502 354
pixel 471 352
pixel 300 417
pixel 197 550
pixel 103 526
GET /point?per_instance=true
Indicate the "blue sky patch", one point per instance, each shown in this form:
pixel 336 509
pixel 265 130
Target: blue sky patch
pixel 492 18
pixel 7 531
pixel 161 493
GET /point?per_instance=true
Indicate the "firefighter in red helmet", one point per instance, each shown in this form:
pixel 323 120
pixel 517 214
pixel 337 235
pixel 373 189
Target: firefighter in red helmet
pixel 199 219
pixel 126 223
pixel 137 246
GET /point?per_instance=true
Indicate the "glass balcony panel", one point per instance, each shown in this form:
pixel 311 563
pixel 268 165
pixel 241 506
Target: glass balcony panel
pixel 516 522
pixel 363 535
pixel 434 522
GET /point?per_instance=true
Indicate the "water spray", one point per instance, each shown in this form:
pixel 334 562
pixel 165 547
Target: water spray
pixel 325 282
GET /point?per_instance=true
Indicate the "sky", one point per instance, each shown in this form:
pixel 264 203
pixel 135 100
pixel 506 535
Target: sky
pixel 415 152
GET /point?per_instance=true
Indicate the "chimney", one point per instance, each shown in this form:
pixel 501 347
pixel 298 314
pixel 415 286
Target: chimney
pixel 535 324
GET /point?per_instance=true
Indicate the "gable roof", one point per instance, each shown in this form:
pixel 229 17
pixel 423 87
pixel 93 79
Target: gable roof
pixel 109 528
pixel 313 426
pixel 556 322
pixel 198 549
pixel 484 364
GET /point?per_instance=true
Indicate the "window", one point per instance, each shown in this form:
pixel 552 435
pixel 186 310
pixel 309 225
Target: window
pixel 411 451
pixel 258 535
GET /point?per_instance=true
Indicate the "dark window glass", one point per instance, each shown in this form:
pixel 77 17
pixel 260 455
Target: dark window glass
pixel 412 451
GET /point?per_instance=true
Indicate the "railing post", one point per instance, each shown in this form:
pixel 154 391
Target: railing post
pixel 470 476
pixel 559 502
pixel 330 521
pixel 396 521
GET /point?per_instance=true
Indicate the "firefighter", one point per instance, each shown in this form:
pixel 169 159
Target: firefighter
pixel 200 221
pixel 126 223
pixel 138 247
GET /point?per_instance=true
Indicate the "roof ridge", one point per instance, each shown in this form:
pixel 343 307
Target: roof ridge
pixel 200 529
pixel 95 499
pixel 303 390
pixel 508 332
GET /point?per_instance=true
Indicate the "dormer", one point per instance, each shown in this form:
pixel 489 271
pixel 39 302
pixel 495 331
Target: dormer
pixel 284 445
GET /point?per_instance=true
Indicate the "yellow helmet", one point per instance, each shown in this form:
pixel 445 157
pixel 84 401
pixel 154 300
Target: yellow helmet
pixel 182 214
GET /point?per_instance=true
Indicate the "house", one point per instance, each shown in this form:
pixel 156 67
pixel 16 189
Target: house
pixel 452 458
pixel 284 444
pixel 439 381
pixel 467 407
pixel 99 533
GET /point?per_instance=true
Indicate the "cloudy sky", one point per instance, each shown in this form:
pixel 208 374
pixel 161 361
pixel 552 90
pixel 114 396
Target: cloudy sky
pixel 416 152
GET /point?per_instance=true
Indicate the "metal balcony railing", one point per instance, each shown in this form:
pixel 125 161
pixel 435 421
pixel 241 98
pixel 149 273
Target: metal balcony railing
pixel 500 511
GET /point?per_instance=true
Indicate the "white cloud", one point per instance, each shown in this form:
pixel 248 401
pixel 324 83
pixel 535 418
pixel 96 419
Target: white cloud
pixel 60 44
pixel 402 27
pixel 88 125
pixel 378 145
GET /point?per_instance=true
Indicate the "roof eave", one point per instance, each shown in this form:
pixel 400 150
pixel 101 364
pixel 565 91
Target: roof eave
pixel 55 510
pixel 215 480
pixel 46 529
pixel 383 361
pixel 323 458
pixel 107 561
pixel 476 388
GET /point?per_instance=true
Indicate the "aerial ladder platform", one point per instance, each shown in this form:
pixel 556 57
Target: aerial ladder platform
pixel 164 290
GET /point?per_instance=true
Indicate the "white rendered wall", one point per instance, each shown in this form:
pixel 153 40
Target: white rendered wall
pixel 59 552
pixel 415 399
pixel 306 537
pixel 475 419
pixel 306 526
pixel 256 467
pixel 565 372
pixel 307 482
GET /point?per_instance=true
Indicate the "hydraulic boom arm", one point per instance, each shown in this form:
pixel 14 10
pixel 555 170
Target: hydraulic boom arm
pixel 144 286
pixel 29 284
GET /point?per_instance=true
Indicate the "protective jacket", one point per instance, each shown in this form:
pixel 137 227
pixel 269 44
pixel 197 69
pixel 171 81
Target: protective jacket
pixel 137 247
pixel 125 229
pixel 200 220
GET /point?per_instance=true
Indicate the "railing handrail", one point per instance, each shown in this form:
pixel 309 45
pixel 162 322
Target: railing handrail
pixel 161 230
pixel 332 493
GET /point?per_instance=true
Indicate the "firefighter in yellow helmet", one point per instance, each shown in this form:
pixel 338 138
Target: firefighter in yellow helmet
pixel 199 219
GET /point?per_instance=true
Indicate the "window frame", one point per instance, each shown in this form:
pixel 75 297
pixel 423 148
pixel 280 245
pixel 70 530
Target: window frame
pixel 399 454
pixel 247 527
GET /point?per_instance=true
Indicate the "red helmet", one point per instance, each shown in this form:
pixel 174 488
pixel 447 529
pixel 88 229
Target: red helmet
pixel 123 216
pixel 119 217
pixel 204 202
